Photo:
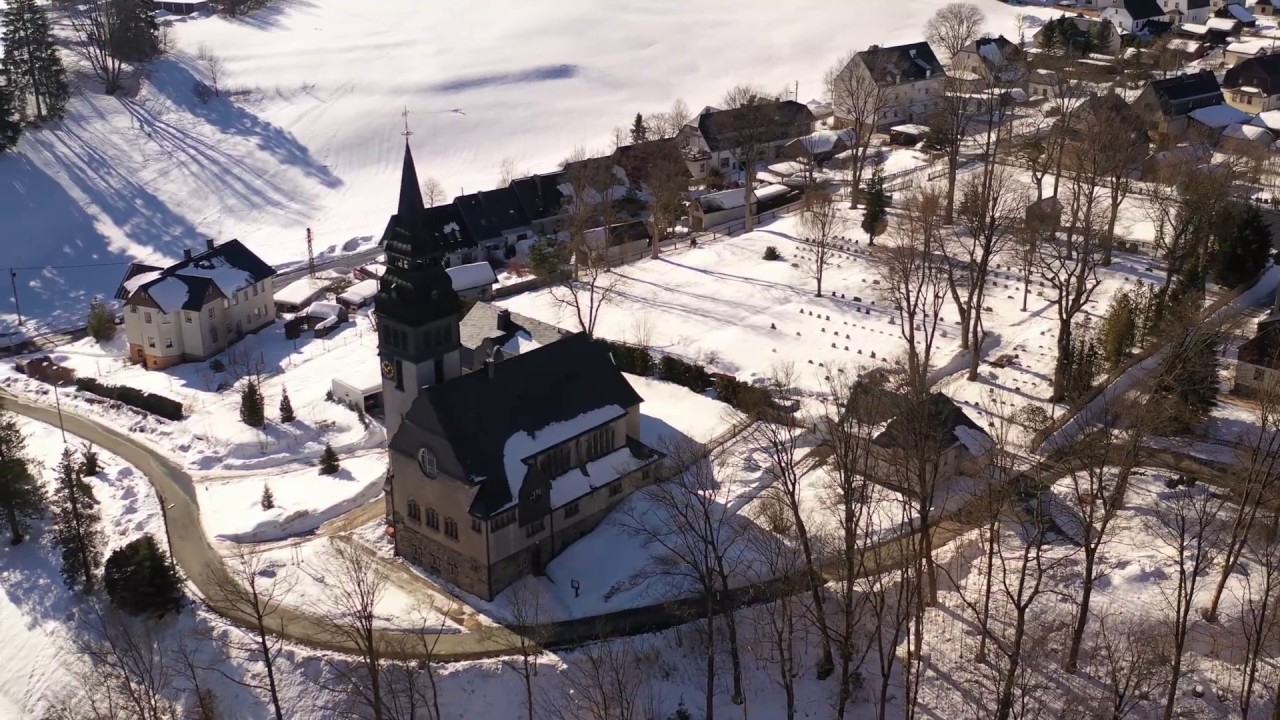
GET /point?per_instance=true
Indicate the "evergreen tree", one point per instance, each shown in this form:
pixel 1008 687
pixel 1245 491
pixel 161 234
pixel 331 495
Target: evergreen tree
pixel 1187 382
pixel 1119 330
pixel 329 461
pixel 876 212
pixel 76 525
pixel 21 497
pixel 1241 248
pixel 32 67
pixel 1082 364
pixel 286 408
pixel 1049 35
pixel 140 580
pixel 101 322
pixel 10 124
pixel 546 257
pixel 89 462
pixel 252 412
pixel 268 499
pixel 135 37
pixel 639 131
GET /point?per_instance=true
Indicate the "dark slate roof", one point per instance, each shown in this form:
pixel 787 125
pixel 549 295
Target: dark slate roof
pixel 1262 72
pixel 901 63
pixel 477 413
pixel 942 415
pixel 483 323
pixel 231 262
pixel 1143 9
pixel 636 158
pixel 781 119
pixel 540 195
pixel 1263 349
pixel 1203 84
pixel 1006 47
pixel 442 225
pixel 489 213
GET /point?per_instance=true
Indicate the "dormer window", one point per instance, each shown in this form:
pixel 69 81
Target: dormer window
pixel 427 463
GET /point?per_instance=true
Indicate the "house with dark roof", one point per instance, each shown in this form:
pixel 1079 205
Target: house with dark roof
pixel 542 200
pixel 1258 360
pixel 1237 12
pixel 909 76
pixel 1165 104
pixel 1253 85
pixel 508 441
pixel 495 220
pixel 942 432
pixel 765 127
pixel 1134 16
pixel 988 62
pixel 1188 11
pixel 1263 7
pixel 195 308
pixel 445 226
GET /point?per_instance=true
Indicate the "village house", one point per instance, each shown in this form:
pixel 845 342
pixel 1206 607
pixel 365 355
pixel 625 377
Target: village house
pixel 542 200
pixel 488 331
pixel 819 146
pixel 1238 52
pixel 988 62
pixel 1263 7
pixel 1135 17
pixel 911 79
pixel 1253 85
pixel 195 308
pixel 1165 104
pixel 1187 11
pixel 496 221
pixel 1238 13
pixel 1258 360
pixel 473 280
pixel 771 124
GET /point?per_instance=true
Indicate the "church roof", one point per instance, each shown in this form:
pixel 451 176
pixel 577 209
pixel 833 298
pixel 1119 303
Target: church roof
pixel 477 413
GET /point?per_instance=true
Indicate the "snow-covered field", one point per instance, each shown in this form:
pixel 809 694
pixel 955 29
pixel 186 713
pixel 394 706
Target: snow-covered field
pixel 307 132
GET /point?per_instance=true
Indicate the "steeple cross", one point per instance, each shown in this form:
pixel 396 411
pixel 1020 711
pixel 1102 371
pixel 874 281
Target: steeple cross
pixel 407 132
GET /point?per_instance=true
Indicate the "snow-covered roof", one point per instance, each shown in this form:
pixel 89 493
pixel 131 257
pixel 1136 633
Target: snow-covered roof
pixel 768 192
pixel 1019 95
pixel 824 140
pixel 471 276
pixel 230 267
pixel 1250 47
pixel 375 269
pixel 364 378
pixel 911 129
pixel 978 443
pixel 1194 28
pixel 522 446
pixel 360 292
pixel 1185 45
pixel 322 309
pixel 1224 24
pixel 141 279
pixel 170 293
pixel 299 292
pixel 1247 132
pixel 787 168
pixel 1269 119
pixel 600 472
pixel 1219 116
pixel 520 343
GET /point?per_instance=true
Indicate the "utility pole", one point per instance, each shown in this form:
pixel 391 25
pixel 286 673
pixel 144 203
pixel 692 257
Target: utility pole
pixel 797 91
pixel 13 280
pixel 311 256
pixel 57 399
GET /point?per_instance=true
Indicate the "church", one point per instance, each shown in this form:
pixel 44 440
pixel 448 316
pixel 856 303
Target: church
pixel 509 439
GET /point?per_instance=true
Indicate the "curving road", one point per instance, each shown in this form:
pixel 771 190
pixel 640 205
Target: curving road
pixel 203 565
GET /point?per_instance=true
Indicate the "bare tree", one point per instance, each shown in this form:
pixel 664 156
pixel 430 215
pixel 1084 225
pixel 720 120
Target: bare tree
pixel 348 616
pixel 603 681
pixel 588 212
pixel 523 639
pixel 661 169
pixel 687 520
pixel 820 226
pixel 859 95
pixel 245 589
pixel 949 130
pixel 433 192
pixel 507 172
pixel 1129 657
pixel 1259 618
pixel 589 289
pixel 1187 522
pixel 753 125
pixel 212 63
pixel 94 24
pixel 778 630
pixel 914 280
pixel 666 125
pixel 953 26
pixel 129 672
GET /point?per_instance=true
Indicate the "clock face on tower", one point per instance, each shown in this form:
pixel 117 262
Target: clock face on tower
pixel 388 369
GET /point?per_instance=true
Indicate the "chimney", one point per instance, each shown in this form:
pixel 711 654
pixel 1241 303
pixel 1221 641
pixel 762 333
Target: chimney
pixel 209 244
pixel 186 253
pixel 490 367
pixel 504 321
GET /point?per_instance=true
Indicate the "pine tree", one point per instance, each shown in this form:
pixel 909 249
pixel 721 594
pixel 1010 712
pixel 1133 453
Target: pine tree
pixel 639 131
pixel 1119 330
pixel 140 579
pixel 76 525
pixel 32 67
pixel 329 461
pixel 268 499
pixel 101 322
pixel 135 38
pixel 876 212
pixel 1242 248
pixel 21 497
pixel 251 405
pixel 286 408
pixel 89 461
pixel 10 124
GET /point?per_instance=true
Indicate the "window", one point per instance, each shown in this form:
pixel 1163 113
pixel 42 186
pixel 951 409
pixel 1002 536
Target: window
pixel 599 443
pixel 570 510
pixel 451 528
pixel 475 525
pixel 555 462
pixel 213 334
pixel 433 520
pixel 168 342
pixel 146 318
pixel 724 163
pixel 235 299
pixel 453 568
pixel 504 520
pixel 615 489
pixel 534 528
pixel 522 236
pixel 257 312
pixel 133 309
pixel 427 463
pixel 186 317
pixel 166 319
pixel 255 290
pixel 151 342
pixel 210 312
pixel 1257 374
pixel 415 511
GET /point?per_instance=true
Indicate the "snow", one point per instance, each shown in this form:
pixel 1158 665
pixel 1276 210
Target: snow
pixel 231 506
pixel 524 445
pixel 142 278
pixel 977 443
pixel 1224 24
pixel 724 200
pixel 471 276
pixel 787 168
pixel 170 294
pixel 360 293
pixel 1195 28
pixel 1219 116
pixel 1247 132
pixel 991 53
pixel 299 292
pixel 581 480
pixel 322 309
pixel 1250 47
pixel 228 278
pixel 1185 45
pixel 1269 119
pixel 520 343
pixel 669 410
pixel 911 129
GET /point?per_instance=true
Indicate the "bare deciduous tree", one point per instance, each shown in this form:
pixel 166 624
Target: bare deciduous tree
pixel 859 98
pixel 914 279
pixel 1259 618
pixel 523 639
pixel 820 226
pixel 433 192
pixel 778 629
pixel 953 26
pixel 348 615
pixel 1129 657
pixel 212 63
pixel 129 671
pixel 753 126
pixel 93 24
pixel 604 681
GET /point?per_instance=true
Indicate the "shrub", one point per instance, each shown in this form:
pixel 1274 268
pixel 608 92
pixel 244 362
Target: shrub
pixel 157 405
pixel 101 322
pixel 771 253
pixel 742 396
pixel 329 461
pixel 89 463
pixel 694 377
pixel 140 580
pixel 268 499
pixel 217 365
pixel 286 408
pixel 630 359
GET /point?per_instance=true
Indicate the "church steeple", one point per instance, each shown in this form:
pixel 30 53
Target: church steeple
pixel 411 205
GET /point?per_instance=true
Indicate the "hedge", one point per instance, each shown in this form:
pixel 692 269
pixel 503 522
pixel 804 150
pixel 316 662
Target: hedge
pixel 694 377
pixel 630 358
pixel 158 405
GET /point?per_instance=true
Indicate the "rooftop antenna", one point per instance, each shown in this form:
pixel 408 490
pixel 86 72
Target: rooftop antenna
pixel 311 256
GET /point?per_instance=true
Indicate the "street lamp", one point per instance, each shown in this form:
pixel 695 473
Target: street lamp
pixel 58 401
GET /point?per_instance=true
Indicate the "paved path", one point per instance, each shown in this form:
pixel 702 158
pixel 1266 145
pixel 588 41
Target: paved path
pixel 204 566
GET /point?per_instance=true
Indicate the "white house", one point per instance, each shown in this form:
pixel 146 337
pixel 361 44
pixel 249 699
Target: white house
pixel 1187 11
pixel 770 126
pixel 910 77
pixel 195 308
pixel 1132 16
pixel 474 280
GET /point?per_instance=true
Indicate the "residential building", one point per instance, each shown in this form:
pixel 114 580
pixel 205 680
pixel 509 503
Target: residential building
pixel 1165 104
pixel 1264 7
pixel 195 308
pixel 729 206
pixel 769 125
pixel 988 62
pixel 1238 13
pixel 1187 11
pixel 446 228
pixel 1253 85
pixel 1237 52
pixel 488 329
pixel 496 221
pixel 473 280
pixel 1258 360
pixel 1134 16
pixel 542 200
pixel 1100 35
pixel 820 146
pixel 910 77
pixel 492 473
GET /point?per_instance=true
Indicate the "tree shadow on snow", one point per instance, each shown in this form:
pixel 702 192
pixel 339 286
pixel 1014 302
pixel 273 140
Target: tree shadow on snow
pixel 273 15
pixel 30 578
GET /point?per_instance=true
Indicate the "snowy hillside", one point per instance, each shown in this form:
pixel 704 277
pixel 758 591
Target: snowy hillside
pixel 307 133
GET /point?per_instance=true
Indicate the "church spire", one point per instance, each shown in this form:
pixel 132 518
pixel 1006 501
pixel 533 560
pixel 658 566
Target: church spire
pixel 411 205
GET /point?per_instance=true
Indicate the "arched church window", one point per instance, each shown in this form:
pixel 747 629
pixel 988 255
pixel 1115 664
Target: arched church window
pixel 427 462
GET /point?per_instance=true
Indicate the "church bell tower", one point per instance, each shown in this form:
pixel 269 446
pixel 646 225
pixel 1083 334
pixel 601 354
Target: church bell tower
pixel 416 307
